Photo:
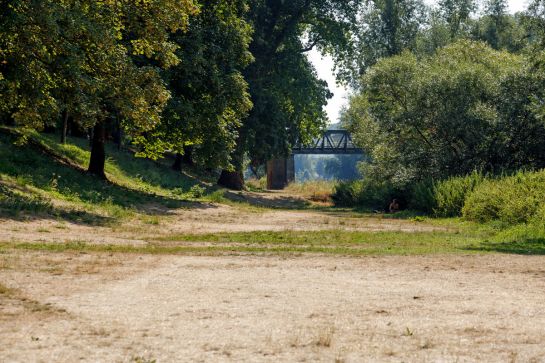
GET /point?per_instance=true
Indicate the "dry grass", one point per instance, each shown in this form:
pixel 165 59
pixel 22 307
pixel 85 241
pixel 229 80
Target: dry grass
pixel 316 191
pixel 4 290
pixel 325 337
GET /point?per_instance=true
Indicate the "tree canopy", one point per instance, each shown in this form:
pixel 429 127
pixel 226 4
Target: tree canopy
pixel 465 108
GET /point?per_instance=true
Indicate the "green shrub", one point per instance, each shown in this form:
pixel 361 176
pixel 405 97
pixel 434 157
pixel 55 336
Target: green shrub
pixel 422 197
pixel 511 200
pixel 450 195
pixel 365 193
pixel 197 191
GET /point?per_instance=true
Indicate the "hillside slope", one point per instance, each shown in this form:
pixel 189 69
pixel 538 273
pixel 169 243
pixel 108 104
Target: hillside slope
pixel 47 179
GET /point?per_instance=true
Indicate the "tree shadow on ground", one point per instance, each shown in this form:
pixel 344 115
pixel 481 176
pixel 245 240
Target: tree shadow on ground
pixel 29 166
pixel 527 246
pixel 30 206
pixel 268 200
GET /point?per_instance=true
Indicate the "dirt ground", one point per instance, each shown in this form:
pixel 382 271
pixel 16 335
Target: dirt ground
pixel 207 218
pixel 122 308
pixel 100 307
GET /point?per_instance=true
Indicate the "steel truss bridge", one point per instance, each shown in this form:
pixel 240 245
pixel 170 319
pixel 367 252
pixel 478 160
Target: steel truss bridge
pixel 280 172
pixel 331 142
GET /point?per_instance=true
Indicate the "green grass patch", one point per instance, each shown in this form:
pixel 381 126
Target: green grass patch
pixel 31 178
pixel 349 242
pixel 483 239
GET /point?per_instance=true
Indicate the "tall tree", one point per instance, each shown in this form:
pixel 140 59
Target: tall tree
pixel 389 27
pixel 82 56
pixel 466 107
pixel 209 93
pixel 457 15
pixel 288 97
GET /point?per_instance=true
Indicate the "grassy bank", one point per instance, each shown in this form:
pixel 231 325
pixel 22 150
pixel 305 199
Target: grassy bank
pixel 35 180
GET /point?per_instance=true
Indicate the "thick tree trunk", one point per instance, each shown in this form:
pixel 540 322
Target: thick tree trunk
pixel 98 153
pixel 177 166
pixel 64 130
pixel 232 180
pixel 187 157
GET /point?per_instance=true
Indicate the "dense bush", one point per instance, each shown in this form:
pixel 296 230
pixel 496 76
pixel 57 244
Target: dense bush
pixel 367 194
pixel 466 107
pixel 449 195
pixel 422 197
pixel 511 200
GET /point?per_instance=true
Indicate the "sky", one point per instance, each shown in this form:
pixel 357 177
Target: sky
pixel 324 66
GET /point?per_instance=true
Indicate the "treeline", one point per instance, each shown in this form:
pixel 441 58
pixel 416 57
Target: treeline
pixel 464 93
pixel 217 82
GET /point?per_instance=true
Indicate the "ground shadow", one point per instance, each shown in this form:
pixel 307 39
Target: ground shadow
pixel 268 200
pixel 527 246
pixel 30 206
pixel 29 165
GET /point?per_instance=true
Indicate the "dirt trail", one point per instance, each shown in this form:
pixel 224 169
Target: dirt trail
pixel 266 309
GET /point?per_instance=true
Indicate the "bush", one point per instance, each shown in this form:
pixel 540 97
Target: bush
pixel 450 195
pixel 511 200
pixel 197 191
pixel 422 197
pixel 346 194
pixel 366 193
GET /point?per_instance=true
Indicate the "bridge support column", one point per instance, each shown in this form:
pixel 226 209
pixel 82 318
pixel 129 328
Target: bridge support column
pixel 280 172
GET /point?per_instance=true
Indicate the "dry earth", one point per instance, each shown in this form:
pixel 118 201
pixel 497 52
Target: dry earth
pixel 121 308
pixel 206 218
pixel 99 307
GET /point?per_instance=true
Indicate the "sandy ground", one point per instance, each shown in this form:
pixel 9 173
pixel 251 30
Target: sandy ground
pixel 208 218
pixel 122 308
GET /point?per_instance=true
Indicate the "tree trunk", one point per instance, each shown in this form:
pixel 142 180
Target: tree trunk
pixel 187 157
pixel 177 166
pixel 232 180
pixel 98 153
pixel 64 130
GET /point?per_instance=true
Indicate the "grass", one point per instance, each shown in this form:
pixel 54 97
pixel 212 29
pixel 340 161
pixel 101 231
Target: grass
pixel 32 182
pixel 316 191
pixel 334 242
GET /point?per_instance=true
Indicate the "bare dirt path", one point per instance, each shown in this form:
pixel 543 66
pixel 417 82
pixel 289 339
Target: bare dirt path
pixel 120 308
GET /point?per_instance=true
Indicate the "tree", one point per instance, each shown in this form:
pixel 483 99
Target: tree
pixel 390 26
pixel 536 28
pixel 82 57
pixel 287 96
pixel 466 107
pixel 500 29
pixel 209 93
pixel 456 13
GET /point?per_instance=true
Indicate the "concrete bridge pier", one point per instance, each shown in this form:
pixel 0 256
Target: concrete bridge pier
pixel 280 172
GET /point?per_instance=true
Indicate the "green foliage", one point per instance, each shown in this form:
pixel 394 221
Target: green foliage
pixel 511 200
pixel 197 191
pixel 365 194
pixel 288 97
pixel 456 14
pixel 391 26
pixel 79 56
pixel 209 94
pixel 422 197
pixel 449 195
pixel 467 107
